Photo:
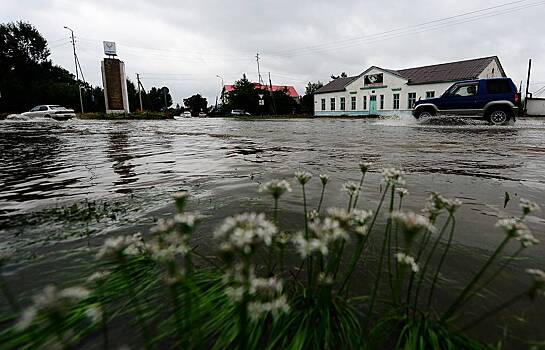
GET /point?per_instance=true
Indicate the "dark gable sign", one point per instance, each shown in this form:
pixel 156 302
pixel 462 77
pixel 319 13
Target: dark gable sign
pixel 373 79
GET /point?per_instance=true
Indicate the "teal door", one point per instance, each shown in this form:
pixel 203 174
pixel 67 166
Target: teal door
pixel 373 104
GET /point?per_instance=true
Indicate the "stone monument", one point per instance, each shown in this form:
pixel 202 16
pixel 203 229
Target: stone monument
pixel 114 81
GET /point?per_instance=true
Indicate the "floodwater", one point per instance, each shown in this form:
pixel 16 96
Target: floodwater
pixel 119 175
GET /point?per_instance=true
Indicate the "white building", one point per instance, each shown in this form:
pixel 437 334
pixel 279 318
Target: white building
pixel 379 91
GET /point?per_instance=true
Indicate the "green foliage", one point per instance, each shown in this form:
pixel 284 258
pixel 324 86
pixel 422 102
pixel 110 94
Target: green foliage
pixel 196 104
pixel 246 298
pixel 307 101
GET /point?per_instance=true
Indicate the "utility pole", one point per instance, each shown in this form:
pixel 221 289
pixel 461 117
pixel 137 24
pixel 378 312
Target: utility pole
pixel 260 81
pixel 272 96
pixel 527 85
pixel 139 91
pixel 76 63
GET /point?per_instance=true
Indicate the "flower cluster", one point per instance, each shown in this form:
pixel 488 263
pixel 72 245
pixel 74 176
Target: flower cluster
pixel 514 228
pixel 267 297
pixel 436 204
pixel 356 220
pixel 393 176
pixel 51 301
pixel 303 177
pixel 324 179
pixel 411 222
pixel 351 188
pixel 528 206
pixel 275 188
pixel 364 166
pixel 122 246
pixel 405 259
pixel 402 191
pixel 245 231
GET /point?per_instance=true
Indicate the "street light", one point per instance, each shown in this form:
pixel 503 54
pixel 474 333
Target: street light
pixel 76 66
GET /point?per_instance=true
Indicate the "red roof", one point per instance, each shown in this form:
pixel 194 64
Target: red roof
pixel 290 90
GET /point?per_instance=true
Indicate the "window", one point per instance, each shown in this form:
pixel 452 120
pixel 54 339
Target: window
pixel 430 94
pixel 343 104
pixel 364 103
pixel 500 86
pixel 332 101
pixel 43 108
pixel 411 99
pixel 353 102
pixel 465 90
pixel 323 104
pixel 396 101
pixel 381 101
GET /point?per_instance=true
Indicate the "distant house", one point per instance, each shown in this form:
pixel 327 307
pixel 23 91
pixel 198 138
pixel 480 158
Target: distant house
pixel 379 91
pixel 290 90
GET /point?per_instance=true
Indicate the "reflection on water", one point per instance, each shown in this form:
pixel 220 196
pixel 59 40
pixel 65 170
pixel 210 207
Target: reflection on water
pixel 222 161
pixel 120 156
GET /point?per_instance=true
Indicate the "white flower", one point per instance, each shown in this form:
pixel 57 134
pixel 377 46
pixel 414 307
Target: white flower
pixel 339 214
pixel 306 247
pixel 528 206
pixel 244 231
pixel 364 166
pixel 360 216
pixel 408 260
pixel 527 239
pixel 324 179
pixel 393 176
pixel 412 223
pixel 163 226
pixel 98 276
pixel 303 177
pixel 539 281
pixel 266 286
pixel 313 215
pixel 276 188
pixel 513 227
pixel 256 309
pixel 234 294
pixel 50 299
pixel 402 191
pixel 351 188
pixel 325 278
pixel 327 229
pixel 121 245
pixel 94 313
pixel 436 203
pixel 180 195
pixel 187 219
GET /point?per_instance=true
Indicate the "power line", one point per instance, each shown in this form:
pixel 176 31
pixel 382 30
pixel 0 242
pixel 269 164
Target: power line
pixel 404 31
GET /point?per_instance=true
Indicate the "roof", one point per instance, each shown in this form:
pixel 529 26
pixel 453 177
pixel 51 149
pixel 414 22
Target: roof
pixel 336 85
pixel 453 71
pixel 444 72
pixel 290 90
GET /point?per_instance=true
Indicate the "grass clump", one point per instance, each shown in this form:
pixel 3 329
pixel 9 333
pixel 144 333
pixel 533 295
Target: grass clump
pixel 248 297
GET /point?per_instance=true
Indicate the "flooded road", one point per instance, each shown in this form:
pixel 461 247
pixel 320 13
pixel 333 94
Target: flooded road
pixel 65 186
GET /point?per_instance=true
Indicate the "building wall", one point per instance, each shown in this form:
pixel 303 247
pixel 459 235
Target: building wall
pixel 392 84
pixel 492 71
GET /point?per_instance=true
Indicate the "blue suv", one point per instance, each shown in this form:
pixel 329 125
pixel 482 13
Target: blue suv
pixel 496 100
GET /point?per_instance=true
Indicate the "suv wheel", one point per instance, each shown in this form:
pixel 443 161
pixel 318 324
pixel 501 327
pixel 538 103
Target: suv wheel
pixel 424 113
pixel 499 116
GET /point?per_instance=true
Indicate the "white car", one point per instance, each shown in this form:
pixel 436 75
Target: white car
pixel 50 111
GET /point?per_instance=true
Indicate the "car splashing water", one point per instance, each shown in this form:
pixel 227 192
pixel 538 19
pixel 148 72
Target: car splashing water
pixel 66 185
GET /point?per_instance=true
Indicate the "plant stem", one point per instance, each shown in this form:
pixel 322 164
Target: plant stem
pixel 388 237
pixel 361 244
pixel 453 308
pixel 442 260
pixel 359 190
pixel 428 259
pixel 321 198
pixel 309 258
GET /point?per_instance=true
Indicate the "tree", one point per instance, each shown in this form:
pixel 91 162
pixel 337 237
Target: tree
pixel 28 78
pixel 244 96
pixel 196 104
pixel 307 101
pixel 343 75
pixel 156 99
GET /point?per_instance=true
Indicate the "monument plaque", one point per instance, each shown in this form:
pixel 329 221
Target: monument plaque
pixel 115 86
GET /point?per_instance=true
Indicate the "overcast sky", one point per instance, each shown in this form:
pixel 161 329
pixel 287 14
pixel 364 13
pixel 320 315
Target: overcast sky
pixel 185 44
